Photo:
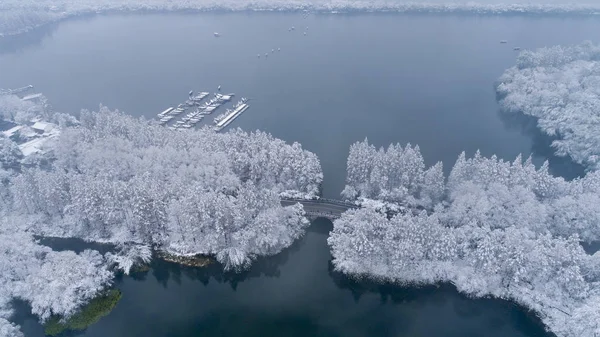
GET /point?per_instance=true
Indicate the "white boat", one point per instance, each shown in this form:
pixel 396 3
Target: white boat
pixel 219 88
pixel 200 96
pixel 216 34
pixel 278 49
pixel 517 48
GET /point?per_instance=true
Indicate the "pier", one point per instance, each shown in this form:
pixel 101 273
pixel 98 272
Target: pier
pixel 200 111
pixel 15 91
pixel 240 107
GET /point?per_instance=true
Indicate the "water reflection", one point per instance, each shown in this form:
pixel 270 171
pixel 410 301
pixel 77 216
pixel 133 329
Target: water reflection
pixel 19 43
pixel 74 244
pixel 164 271
pixel 295 293
pixel 542 145
pixel 494 314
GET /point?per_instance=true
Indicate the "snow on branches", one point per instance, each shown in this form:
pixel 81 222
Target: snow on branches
pixel 508 230
pixel 53 283
pixel 395 174
pixel 122 180
pixel 560 88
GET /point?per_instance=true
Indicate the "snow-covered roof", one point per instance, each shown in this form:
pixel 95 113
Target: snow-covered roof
pixel 32 146
pixel 42 126
pixel 11 131
pixel 27 132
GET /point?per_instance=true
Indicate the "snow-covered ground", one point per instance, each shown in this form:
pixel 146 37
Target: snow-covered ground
pixel 560 88
pixel 18 16
pixel 508 230
pixel 115 179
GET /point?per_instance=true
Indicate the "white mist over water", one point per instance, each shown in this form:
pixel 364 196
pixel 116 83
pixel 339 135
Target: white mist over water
pixel 17 16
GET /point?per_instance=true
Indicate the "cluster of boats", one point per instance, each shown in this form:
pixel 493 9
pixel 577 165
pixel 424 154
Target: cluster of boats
pixel 200 110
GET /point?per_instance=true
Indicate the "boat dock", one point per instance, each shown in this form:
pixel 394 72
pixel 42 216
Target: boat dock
pixel 225 119
pixel 200 110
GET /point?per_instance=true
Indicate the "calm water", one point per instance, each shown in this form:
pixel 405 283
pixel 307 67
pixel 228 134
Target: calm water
pixel 392 78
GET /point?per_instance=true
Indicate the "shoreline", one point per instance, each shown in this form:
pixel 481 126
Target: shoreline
pixel 474 9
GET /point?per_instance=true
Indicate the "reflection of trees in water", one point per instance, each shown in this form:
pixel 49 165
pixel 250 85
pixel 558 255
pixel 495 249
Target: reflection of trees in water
pixel 240 322
pixel 269 266
pixel 164 271
pixel 388 292
pixel 542 144
pixel 17 43
pixel 74 244
pixel 442 294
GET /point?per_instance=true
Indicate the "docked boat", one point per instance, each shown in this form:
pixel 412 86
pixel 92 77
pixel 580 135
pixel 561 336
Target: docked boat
pixel 166 112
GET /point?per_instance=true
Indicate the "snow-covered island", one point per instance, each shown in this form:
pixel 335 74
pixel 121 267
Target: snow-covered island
pixel 559 87
pixel 17 16
pixel 492 228
pixel 108 177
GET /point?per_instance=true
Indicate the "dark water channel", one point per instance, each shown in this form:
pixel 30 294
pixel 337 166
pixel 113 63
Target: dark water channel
pixel 423 79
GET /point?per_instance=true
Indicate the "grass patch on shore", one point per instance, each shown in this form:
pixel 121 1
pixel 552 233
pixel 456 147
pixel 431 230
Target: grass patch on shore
pixel 89 314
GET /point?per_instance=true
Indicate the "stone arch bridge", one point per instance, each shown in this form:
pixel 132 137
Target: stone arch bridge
pixel 321 208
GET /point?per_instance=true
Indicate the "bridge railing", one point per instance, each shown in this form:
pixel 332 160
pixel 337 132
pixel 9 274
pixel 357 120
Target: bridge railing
pixel 324 201
pixel 328 215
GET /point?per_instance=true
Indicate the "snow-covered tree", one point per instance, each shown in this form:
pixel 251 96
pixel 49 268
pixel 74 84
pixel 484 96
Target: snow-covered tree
pixel 560 88
pixel 502 229
pixel 53 283
pixel 129 255
pixel 10 154
pixel 17 16
pixel 395 174
pixel 122 180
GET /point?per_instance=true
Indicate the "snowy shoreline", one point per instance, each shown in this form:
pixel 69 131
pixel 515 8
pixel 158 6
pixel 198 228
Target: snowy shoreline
pixel 17 17
pixel 558 87
pixel 111 178
pixel 506 230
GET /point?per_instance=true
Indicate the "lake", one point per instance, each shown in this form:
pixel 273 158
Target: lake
pixel 424 79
